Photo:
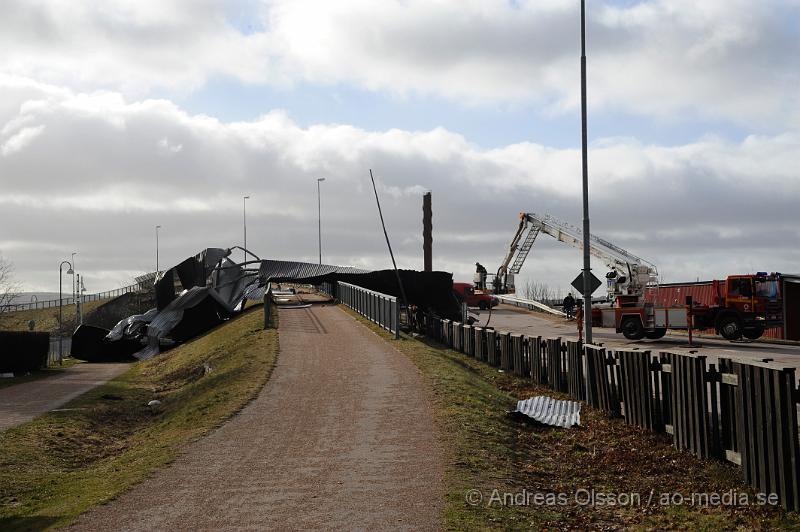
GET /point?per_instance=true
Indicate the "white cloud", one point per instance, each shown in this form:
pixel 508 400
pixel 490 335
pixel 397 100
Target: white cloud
pixel 98 180
pixel 20 139
pixel 721 59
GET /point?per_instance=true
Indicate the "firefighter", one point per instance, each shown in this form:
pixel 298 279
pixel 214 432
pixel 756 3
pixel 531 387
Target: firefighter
pixel 479 269
pixel 569 306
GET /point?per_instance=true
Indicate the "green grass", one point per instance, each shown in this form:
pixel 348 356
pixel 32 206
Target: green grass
pixel 39 374
pixel 46 318
pixel 488 450
pixel 62 463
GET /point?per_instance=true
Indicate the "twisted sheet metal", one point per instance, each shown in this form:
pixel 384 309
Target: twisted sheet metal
pixel 298 271
pixel 212 279
pixel 551 411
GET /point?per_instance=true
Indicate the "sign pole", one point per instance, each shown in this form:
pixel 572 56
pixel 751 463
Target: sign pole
pixel 587 293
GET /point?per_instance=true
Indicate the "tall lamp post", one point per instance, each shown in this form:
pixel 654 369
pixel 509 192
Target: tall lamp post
pixel 74 269
pixel 587 291
pixel 70 271
pixel 319 217
pixel 157 228
pixel 244 222
pixel 79 290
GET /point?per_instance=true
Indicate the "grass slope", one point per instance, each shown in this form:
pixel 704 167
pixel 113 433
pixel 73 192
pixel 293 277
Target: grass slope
pixel 490 451
pixel 46 318
pixel 62 463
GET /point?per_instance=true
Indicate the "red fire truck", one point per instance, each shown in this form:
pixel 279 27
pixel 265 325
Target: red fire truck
pixel 740 306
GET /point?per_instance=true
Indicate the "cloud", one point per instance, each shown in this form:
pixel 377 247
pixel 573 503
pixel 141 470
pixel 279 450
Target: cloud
pixel 106 169
pixel 732 60
pixel 20 139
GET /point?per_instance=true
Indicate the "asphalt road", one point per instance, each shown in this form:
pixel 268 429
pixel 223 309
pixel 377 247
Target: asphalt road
pixel 517 320
pixel 22 402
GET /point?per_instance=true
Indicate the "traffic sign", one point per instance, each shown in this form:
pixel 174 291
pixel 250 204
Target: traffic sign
pixel 594 283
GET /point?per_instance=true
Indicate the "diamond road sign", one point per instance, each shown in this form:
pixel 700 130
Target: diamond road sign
pixel 594 283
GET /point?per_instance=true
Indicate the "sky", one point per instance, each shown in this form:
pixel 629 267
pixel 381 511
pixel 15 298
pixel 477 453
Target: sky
pixel 118 116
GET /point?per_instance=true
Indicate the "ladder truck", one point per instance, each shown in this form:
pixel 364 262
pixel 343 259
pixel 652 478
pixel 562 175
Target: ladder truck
pixel 742 306
pixel 628 274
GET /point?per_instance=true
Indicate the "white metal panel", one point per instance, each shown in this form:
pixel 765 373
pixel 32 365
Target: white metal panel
pixel 609 317
pixel 677 317
pixel 551 411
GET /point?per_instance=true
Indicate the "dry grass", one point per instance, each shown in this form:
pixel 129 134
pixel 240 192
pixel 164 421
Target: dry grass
pixel 62 463
pixel 46 319
pixel 488 450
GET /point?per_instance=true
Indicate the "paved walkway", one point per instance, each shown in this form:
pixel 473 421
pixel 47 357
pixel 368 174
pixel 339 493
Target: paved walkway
pixel 340 438
pixel 22 402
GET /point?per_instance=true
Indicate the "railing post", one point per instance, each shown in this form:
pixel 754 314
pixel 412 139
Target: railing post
pixel 267 305
pixel 396 319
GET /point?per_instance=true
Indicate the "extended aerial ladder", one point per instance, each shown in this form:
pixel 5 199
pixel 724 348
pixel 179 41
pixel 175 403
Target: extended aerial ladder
pixel 628 275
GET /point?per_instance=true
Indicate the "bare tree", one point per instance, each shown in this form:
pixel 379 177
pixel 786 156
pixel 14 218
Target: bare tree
pixel 9 288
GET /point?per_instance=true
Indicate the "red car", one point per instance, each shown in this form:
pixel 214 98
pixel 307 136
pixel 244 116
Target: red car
pixel 466 291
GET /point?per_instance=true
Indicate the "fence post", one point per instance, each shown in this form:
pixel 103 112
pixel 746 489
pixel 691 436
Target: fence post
pixel 396 319
pixel 267 305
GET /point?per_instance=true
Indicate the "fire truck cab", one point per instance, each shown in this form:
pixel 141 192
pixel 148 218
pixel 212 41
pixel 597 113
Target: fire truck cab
pixel 746 306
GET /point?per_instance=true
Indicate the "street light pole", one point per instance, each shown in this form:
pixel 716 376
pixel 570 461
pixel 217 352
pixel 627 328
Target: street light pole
pixel 319 217
pixel 79 296
pixel 157 228
pixel 587 291
pixel 244 222
pixel 60 306
pixel 74 269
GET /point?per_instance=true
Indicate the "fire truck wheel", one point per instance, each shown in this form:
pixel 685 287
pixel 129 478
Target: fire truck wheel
pixel 754 333
pixel 655 334
pixel 730 327
pixel 632 328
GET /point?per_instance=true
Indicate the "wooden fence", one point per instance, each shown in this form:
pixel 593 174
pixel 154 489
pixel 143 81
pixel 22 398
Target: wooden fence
pixel 743 411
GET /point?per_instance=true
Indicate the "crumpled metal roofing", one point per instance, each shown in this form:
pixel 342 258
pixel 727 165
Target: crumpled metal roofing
pixel 214 289
pixel 551 411
pixel 297 271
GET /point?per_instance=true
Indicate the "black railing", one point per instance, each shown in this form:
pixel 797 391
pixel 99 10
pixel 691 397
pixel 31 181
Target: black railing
pixel 743 411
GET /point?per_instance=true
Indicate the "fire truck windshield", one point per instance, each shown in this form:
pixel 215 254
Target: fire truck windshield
pixel 766 288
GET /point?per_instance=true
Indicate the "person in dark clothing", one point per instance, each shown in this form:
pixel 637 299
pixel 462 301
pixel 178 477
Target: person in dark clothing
pixel 479 269
pixel 569 306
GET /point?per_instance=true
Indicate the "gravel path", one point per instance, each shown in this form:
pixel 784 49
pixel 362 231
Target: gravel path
pixel 22 402
pixel 341 437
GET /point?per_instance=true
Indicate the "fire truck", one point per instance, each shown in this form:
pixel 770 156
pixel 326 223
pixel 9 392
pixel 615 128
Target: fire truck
pixel 741 306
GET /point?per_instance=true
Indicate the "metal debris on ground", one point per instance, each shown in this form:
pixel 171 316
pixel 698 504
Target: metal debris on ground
pixel 551 411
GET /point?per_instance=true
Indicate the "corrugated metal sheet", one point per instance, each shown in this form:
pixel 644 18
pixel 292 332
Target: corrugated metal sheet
pixel 551 411
pixel 528 303
pixel 298 271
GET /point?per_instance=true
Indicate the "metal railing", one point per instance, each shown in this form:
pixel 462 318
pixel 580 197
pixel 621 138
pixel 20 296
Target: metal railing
pixel 69 300
pixel 379 308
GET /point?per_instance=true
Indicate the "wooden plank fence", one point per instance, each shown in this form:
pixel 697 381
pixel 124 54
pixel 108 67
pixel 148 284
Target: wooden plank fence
pixel 743 411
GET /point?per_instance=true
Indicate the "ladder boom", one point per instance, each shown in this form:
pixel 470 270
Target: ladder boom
pixel 630 274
